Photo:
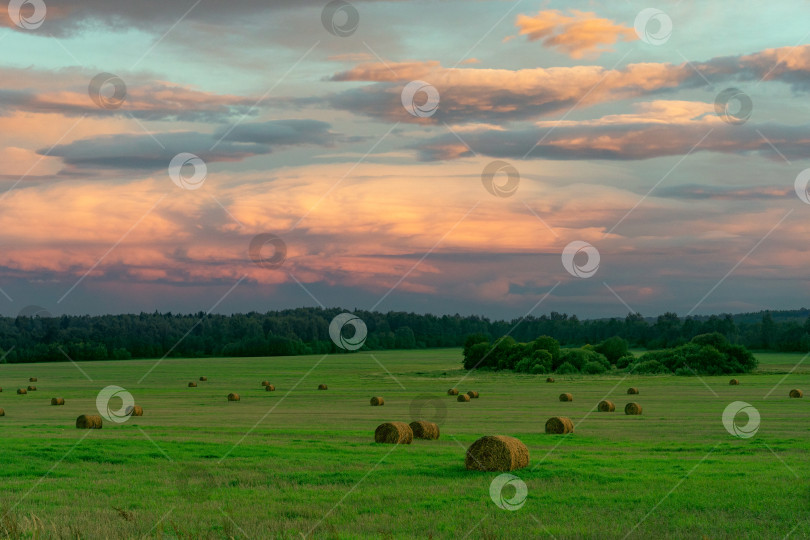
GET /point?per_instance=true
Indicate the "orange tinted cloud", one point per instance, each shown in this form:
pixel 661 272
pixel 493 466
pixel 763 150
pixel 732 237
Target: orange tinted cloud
pixel 497 95
pixel 578 34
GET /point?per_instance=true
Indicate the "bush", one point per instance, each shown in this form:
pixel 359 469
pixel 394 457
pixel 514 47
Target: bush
pixel 546 343
pixel 579 357
pixel 625 361
pixel 566 368
pixel 714 339
pixel 594 368
pixel 649 367
pixel 613 348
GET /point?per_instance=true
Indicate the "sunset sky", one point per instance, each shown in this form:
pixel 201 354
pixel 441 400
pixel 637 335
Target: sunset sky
pixel 612 124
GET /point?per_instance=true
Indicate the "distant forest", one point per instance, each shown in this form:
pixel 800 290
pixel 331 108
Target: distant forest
pixel 306 331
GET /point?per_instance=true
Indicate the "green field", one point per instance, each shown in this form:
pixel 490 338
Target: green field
pixel 299 461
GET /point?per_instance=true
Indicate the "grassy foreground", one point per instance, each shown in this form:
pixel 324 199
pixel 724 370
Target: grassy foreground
pixel 303 462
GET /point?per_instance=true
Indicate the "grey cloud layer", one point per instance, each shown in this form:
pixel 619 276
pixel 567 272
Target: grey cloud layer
pixel 142 152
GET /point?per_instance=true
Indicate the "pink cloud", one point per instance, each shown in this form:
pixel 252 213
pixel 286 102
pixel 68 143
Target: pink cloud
pixel 578 34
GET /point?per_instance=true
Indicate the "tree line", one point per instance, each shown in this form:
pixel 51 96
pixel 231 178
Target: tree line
pixel 306 331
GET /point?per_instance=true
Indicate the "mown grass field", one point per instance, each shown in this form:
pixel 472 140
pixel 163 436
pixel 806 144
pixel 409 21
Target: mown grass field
pixel 299 461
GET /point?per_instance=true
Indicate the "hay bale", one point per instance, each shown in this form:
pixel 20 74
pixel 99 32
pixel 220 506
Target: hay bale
pixel 31 388
pixel 452 392
pixel 2 412
pixel 473 394
pixel 463 397
pixel 203 379
pixel 21 391
pixel 496 453
pixel 1 389
pixel 233 397
pixel 376 401
pixel 606 406
pixel 632 408
pixel 322 387
pixel 549 379
pixel 425 430
pixel 270 388
pixel 733 382
pixel 135 410
pixel 393 433
pixel 632 390
pixel 265 383
pixel 32 379
pixel 57 401
pixel 566 397
pixel 796 393
pixel 89 421
pixel 192 385
pixel 559 425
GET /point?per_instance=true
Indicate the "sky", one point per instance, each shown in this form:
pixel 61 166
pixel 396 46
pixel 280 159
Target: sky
pixel 499 158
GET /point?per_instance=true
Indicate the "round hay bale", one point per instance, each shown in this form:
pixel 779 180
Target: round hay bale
pixel 265 383
pixel 566 397
pixel 425 430
pixel 452 392
pixel 32 379
pixel 463 397
pixel 606 406
pixel 31 388
pixel 559 425
pixel 796 393
pixel 135 410
pixel 1 389
pixel 22 391
pixel 2 412
pixel 233 397
pixel 393 433
pixel 323 387
pixel 632 390
pixel 376 401
pixel 733 382
pixel 89 421
pixel 203 379
pixel 473 394
pixel 632 408
pixel 57 401
pixel 549 379
pixel 270 388
pixel 192 385
pixel 496 453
